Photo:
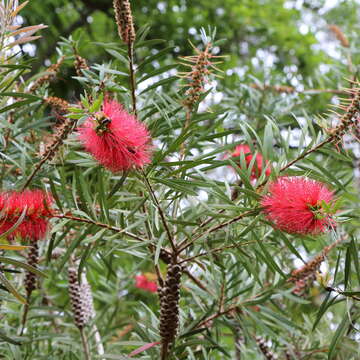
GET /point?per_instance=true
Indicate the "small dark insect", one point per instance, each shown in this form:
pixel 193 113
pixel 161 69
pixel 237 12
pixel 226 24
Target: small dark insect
pixel 131 150
pixel 102 123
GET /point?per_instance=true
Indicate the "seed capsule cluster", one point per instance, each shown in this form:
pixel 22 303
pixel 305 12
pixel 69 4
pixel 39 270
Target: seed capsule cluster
pixel 269 355
pixel 169 296
pixel 81 299
pixel 33 259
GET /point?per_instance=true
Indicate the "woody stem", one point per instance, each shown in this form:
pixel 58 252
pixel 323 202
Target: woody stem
pixel 132 76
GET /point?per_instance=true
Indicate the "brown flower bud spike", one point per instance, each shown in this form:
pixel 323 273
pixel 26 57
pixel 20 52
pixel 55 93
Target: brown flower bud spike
pixel 269 355
pixel 169 296
pixel 33 259
pixel 124 20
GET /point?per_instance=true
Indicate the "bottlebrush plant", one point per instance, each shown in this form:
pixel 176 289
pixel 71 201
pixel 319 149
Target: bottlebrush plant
pixel 171 226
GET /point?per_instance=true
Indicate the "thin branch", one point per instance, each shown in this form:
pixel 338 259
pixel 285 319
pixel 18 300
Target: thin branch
pixel 58 139
pixel 197 282
pixel 343 293
pixel 102 225
pixel 291 90
pixel 25 314
pixel 219 227
pixel 85 344
pixel 161 213
pixel 218 314
pixel 306 153
pixel 132 76
pixel 220 249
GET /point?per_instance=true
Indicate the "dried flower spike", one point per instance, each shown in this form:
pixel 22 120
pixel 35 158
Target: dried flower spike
pixel 304 276
pixel 339 35
pixel 116 139
pixel 60 106
pixel 258 165
pixel 298 205
pixel 124 20
pixel 277 88
pixel 50 75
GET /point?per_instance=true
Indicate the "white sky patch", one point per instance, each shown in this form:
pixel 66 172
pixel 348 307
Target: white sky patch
pixel 295 137
pixel 30 49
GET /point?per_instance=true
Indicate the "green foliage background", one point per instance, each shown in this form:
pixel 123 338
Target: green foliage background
pixel 252 275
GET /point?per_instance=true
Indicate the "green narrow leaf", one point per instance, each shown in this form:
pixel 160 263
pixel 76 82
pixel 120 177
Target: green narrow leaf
pixel 339 333
pixel 354 253
pixel 55 194
pixel 6 338
pixel 323 307
pixel 11 289
pixel 14 227
pixel 22 265
pixel 347 266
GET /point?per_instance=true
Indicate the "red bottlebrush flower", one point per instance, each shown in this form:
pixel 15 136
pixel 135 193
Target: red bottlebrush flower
pixel 142 282
pixel 116 139
pixel 258 165
pixel 295 205
pixel 35 223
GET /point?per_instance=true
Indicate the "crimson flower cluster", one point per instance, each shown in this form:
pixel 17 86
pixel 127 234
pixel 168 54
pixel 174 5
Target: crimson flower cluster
pixel 258 164
pixel 143 283
pixel 116 139
pixel 296 205
pixel 36 205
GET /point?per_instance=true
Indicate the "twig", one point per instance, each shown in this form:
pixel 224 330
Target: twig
pixel 132 76
pixel 218 314
pixel 197 282
pixel 217 250
pixel 219 227
pixel 161 213
pixel 98 341
pixel 343 293
pixel 85 344
pixel 25 314
pixel 102 225
pixel 58 138
pixel 222 296
pixel 291 90
pixel 306 153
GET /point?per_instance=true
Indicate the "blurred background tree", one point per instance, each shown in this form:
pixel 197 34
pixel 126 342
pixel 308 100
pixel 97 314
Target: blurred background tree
pixel 290 39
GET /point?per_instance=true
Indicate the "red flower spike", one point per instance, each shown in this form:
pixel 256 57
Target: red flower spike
pixel 143 283
pixel 295 205
pixel 258 165
pixel 116 139
pixel 34 225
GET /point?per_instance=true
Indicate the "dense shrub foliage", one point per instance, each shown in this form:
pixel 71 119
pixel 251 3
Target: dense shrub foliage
pixel 166 199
